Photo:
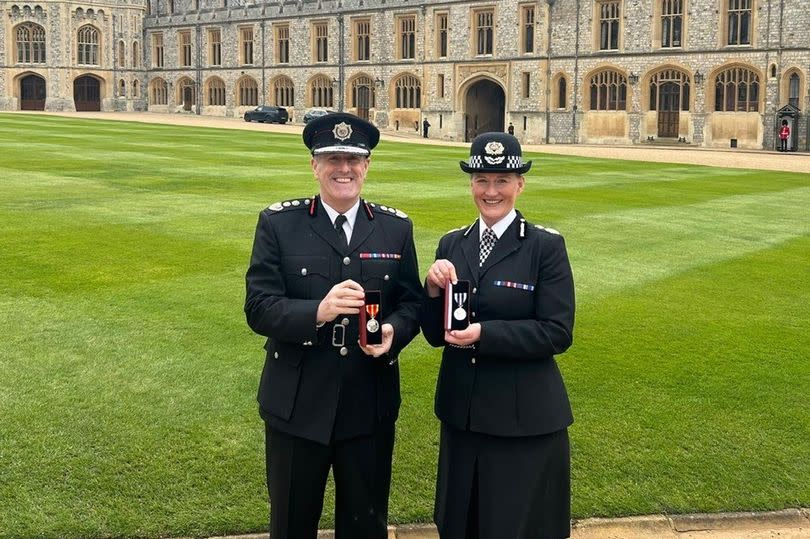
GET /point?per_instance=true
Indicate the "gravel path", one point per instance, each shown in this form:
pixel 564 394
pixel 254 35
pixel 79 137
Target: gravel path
pixel 753 159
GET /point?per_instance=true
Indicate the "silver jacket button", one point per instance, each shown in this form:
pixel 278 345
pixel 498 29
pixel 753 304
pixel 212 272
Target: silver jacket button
pixel 345 322
pixel 387 278
pixel 347 261
pixel 344 351
pixel 275 355
pixel 472 361
pixel 303 271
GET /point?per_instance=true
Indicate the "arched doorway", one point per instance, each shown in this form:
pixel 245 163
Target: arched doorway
pixel 32 93
pixel 669 95
pixel 87 94
pixel 187 93
pixel 484 109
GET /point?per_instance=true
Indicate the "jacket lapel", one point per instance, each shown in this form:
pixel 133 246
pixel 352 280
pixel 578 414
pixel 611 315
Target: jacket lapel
pixel 363 227
pixel 469 246
pixel 322 226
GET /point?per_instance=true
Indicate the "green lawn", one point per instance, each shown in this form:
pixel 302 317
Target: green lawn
pixel 128 375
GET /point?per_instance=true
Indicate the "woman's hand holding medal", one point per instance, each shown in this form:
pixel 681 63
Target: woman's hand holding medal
pixel 440 273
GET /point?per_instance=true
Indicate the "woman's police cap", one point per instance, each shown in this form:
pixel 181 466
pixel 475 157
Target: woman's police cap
pixel 495 152
pixel 340 133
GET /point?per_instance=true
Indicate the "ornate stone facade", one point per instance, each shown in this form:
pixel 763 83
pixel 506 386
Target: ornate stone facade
pixel 715 73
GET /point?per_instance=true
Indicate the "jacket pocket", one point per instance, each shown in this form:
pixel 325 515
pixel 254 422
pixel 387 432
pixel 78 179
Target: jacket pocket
pixel 305 275
pixel 280 378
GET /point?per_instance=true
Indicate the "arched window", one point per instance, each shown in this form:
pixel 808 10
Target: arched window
pixel 284 92
pixel 408 92
pixel 30 44
pixel 215 96
pixel 736 89
pixel 562 93
pixel 135 88
pixel 793 90
pixel 159 92
pixel 321 91
pixel 88 46
pixel 122 53
pixel 136 57
pixel 608 91
pixel 363 92
pixel 672 86
pixel 247 92
pixel 122 88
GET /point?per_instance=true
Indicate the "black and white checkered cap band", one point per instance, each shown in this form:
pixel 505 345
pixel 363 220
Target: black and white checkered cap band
pixel 512 161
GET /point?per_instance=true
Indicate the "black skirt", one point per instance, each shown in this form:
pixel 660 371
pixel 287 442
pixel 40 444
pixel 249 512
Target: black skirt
pixel 493 487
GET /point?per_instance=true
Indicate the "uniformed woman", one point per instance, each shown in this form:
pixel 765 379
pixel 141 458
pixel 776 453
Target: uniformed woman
pixel 504 466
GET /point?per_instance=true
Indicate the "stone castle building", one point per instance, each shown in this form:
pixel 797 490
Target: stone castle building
pixel 713 73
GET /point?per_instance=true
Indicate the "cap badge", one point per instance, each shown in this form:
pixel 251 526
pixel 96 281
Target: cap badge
pixel 342 131
pixel 494 148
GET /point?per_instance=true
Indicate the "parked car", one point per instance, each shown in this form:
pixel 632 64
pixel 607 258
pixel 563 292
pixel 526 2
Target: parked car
pixel 315 113
pixel 267 114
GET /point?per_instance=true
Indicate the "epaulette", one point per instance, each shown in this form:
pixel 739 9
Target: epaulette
pixel 455 229
pixel 387 210
pixel 296 203
pixel 549 230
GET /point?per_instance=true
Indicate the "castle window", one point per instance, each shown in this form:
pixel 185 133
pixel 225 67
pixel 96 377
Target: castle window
pixel 30 44
pixel 136 60
pixel 247 92
pixel 321 32
pixel 484 31
pixel 527 29
pixel 736 90
pixel 284 92
pixel 441 35
pixel 159 92
pixel 321 92
pixel 793 90
pixel 408 92
pixel 87 46
pixel 246 45
pixel 407 37
pixel 609 25
pixel 739 22
pixel 362 40
pixel 282 44
pixel 216 92
pixel 608 91
pixel 215 47
pixel 671 23
pixel 185 48
pixel 157 50
pixel 562 93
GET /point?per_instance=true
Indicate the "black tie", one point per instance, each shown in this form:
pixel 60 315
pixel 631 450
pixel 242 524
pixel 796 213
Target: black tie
pixel 342 242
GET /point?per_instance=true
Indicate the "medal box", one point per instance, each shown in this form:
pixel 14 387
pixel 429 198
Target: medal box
pixel 370 325
pixel 457 305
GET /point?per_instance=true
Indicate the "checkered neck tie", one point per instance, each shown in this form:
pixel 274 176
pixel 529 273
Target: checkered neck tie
pixel 488 239
pixel 341 233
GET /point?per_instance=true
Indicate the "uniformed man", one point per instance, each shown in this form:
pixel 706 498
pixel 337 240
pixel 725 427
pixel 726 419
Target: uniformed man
pixel 504 457
pixel 326 401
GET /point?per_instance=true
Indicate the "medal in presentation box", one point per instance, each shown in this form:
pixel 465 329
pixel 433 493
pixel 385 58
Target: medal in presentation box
pixel 457 305
pixel 370 326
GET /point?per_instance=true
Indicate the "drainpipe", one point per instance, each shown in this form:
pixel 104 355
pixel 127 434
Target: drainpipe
pixel 548 69
pixel 264 64
pixel 199 91
pixel 576 77
pixel 341 60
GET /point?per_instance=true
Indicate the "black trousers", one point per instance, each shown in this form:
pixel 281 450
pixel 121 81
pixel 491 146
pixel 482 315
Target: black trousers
pixel 492 487
pixel 296 479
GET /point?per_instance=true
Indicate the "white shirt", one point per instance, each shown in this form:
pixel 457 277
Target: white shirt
pixel 351 215
pixel 498 228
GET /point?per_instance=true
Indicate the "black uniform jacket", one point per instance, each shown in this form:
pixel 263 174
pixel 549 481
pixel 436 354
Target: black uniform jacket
pixel 317 379
pixel 508 383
